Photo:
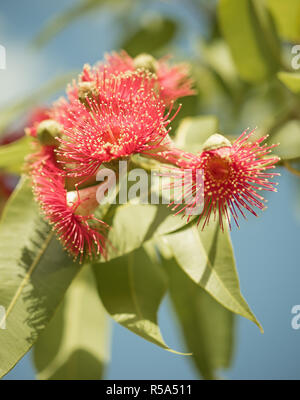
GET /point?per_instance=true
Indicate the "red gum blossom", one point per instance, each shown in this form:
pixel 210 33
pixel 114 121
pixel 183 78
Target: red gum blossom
pixel 232 177
pixel 127 117
pixel 74 231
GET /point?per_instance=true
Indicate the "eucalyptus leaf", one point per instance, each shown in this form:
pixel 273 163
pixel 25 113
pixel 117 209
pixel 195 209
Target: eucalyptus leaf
pixel 287 18
pixel 217 55
pixel 12 155
pixel 131 289
pixel 189 108
pixel 249 32
pixel 134 224
pixel 289 138
pixel 75 345
pixel 208 327
pixel 35 272
pixel 207 258
pixel 291 80
pixel 193 131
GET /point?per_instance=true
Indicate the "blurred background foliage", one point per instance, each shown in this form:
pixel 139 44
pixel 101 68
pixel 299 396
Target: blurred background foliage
pixel 241 57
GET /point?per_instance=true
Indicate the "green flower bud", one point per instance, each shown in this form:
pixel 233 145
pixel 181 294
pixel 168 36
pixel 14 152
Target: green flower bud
pixel 47 131
pixel 86 90
pixel 215 142
pixel 147 62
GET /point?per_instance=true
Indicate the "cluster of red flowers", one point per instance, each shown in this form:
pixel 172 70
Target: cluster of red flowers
pixel 118 108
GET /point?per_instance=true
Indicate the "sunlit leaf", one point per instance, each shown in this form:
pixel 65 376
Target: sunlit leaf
pixel 193 132
pixel 35 272
pixel 131 289
pixel 291 80
pixel 208 328
pixel 216 55
pixel 287 17
pixel 75 344
pixel 12 155
pixel 289 138
pixel 249 32
pixel 141 222
pixel 207 258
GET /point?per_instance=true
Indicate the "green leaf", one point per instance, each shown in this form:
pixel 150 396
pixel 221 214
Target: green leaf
pixel 208 328
pixel 248 30
pixel 35 273
pixel 207 258
pixel 75 344
pixel 289 138
pixel 287 17
pixel 217 55
pixel 141 222
pixel 136 221
pixel 131 289
pixel 193 132
pixel 11 112
pixel 189 108
pixel 291 80
pixel 12 155
pixel 151 37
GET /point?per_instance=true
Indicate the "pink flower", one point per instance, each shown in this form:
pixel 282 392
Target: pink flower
pixel 80 233
pixel 116 63
pixel 172 81
pixel 123 117
pixel 233 176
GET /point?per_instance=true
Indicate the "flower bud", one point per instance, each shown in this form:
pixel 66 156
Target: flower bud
pixel 47 132
pixel 86 90
pixel 147 62
pixel 84 201
pixel 215 142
